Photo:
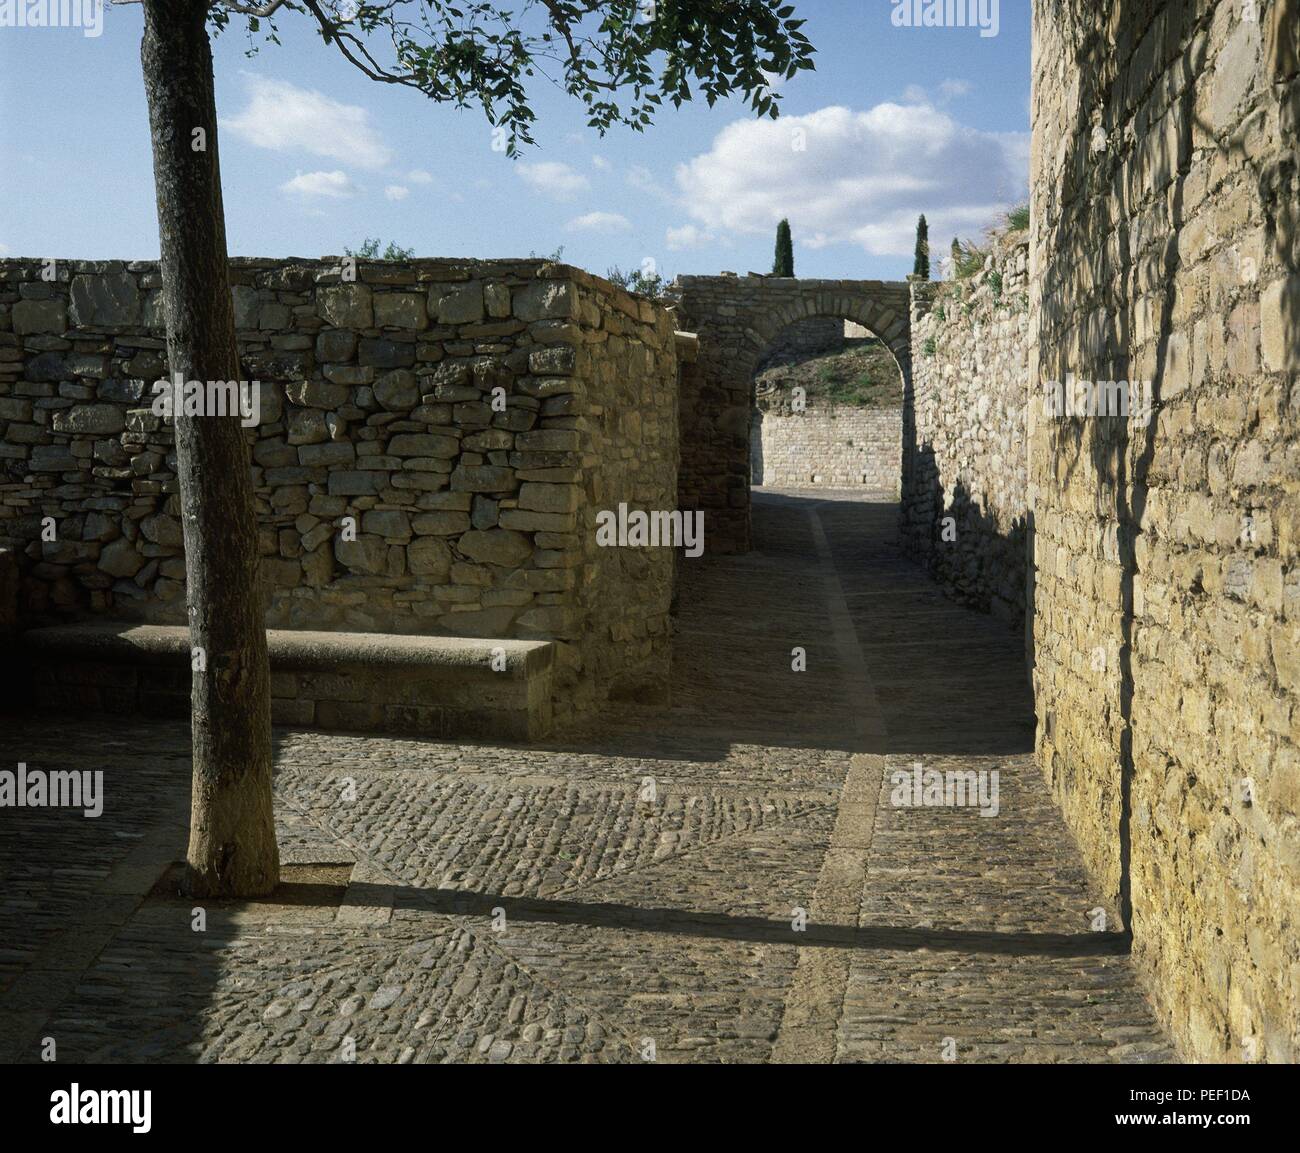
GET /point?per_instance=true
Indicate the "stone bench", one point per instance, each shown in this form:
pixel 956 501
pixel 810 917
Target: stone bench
pixel 371 682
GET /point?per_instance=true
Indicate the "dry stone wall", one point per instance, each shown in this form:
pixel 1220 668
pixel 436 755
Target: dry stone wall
pixel 964 508
pixel 828 448
pixel 1167 590
pixel 470 418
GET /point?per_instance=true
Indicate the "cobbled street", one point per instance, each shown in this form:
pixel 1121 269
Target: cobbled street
pixel 623 894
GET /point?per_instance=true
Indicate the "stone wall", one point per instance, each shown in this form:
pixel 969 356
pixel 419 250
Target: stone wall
pixel 470 417
pixel 832 448
pixel 1167 597
pixel 964 509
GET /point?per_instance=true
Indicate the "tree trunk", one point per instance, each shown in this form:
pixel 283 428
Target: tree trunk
pixel 232 850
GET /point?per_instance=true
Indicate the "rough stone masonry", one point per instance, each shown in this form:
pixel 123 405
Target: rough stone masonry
pixel 827 448
pixel 467 418
pixel 964 509
pixel 1163 594
pixel 1166 603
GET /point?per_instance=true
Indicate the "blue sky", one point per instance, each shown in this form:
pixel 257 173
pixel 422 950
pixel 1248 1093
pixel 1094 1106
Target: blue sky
pixel 315 157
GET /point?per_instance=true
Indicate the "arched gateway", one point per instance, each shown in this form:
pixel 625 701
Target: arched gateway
pixel 736 318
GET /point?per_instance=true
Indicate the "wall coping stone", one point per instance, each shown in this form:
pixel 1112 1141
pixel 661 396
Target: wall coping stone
pixel 297 649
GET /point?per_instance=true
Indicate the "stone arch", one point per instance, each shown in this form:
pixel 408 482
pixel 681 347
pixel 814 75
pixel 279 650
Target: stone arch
pixel 735 319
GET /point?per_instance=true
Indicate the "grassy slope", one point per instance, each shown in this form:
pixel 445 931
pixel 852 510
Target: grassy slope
pixel 864 375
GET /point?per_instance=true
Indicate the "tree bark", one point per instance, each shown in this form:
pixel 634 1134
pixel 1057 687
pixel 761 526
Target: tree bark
pixel 232 849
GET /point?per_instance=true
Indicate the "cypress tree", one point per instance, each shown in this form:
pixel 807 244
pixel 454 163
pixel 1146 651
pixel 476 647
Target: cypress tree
pixel 921 266
pixel 783 265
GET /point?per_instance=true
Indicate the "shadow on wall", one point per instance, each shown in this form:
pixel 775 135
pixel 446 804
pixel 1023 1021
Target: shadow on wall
pixel 967 552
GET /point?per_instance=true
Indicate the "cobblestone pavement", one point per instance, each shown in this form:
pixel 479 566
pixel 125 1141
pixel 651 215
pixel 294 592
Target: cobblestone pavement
pixel 622 893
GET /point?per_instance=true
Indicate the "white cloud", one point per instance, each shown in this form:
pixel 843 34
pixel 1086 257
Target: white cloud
pixel 336 185
pixel 951 89
pixel 914 94
pixel 599 162
pixel 553 178
pixel 285 118
pixel 600 222
pixel 687 236
pixel 396 192
pixel 862 177
pixel 419 176
pixel 642 179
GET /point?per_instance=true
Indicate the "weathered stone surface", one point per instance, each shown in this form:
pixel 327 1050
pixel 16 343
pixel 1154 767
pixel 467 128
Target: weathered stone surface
pixel 483 478
pixel 549 440
pixel 162 529
pixel 316 394
pixel 545 300
pixel 397 391
pixel 336 345
pixel 346 305
pixel 558 360
pixel 424 444
pixel 96 419
pixel 385 353
pixel 357 483
pixel 457 304
pixel 32 316
pixel 327 455
pixel 52 458
pixel 444 523
pixel 366 554
pixel 563 498
pixel 537 521
pixel 388 523
pixel 306 426
pixel 495 546
pixel 15 408
pixel 103 300
pixel 428 556
pixel 119 558
pixel 400 310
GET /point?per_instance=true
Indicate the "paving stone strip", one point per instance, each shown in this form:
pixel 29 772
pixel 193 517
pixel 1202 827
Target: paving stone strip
pixel 816 997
